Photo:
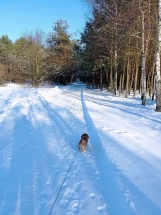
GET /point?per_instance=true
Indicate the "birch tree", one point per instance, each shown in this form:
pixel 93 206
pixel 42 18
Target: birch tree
pixel 143 63
pixel 158 81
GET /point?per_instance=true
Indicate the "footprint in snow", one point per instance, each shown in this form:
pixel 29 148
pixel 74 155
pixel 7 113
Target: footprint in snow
pixel 75 206
pixel 88 164
pixel 132 206
pixel 102 208
pixel 43 198
pixel 100 197
pixel 66 198
pixel 97 175
pixel 65 184
pixel 92 195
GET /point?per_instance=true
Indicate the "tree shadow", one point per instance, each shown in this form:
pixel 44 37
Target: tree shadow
pixel 108 178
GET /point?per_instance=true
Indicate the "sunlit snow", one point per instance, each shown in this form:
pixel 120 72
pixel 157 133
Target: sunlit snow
pixel 41 170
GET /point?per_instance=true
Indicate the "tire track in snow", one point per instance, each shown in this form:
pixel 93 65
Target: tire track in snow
pixel 77 184
pixel 66 131
pixel 108 182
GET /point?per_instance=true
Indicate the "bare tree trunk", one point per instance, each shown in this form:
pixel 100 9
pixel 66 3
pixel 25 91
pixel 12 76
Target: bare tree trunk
pixel 123 78
pixel 154 88
pixel 120 84
pixel 127 72
pixel 143 96
pixel 135 80
pixel 149 83
pixel 71 78
pixel 101 85
pixel 115 75
pixel 107 77
pixel 158 81
pixel 127 78
pixel 131 84
pixel 153 78
pixel 111 81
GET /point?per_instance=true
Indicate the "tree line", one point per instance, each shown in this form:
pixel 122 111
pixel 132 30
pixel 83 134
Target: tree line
pixel 120 47
pixel 36 58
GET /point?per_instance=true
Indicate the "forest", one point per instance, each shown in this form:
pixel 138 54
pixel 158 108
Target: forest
pixel 119 49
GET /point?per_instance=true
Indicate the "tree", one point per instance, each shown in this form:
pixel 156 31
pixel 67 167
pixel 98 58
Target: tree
pixel 31 56
pixel 61 61
pixel 158 80
pixel 7 58
pixel 143 96
pixel 125 39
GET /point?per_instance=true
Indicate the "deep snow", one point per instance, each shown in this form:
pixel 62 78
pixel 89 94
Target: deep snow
pixel 118 174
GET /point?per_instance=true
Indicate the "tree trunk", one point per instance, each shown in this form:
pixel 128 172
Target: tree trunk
pixel 143 96
pixel 71 78
pixel 107 77
pixel 111 81
pixel 127 78
pixel 131 84
pixel 101 85
pixel 115 75
pixel 120 84
pixel 158 81
pixel 135 80
pixel 123 78
pixel 153 78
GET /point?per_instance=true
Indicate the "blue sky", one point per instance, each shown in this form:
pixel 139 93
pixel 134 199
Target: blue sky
pixel 16 16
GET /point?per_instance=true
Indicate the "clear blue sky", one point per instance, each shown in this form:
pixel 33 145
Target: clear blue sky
pixel 16 16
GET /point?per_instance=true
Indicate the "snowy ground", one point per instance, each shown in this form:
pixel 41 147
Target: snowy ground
pixel 118 174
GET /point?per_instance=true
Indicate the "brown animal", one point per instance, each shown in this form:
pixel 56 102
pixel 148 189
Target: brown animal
pixel 83 142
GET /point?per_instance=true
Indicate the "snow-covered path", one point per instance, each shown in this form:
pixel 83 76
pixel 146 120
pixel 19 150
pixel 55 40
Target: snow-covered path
pixel 118 174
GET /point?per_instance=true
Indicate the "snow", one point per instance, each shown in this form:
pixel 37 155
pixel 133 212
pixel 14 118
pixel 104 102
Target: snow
pixel 41 170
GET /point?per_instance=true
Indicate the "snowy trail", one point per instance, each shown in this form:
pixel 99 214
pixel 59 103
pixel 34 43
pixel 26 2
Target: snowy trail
pixel 118 174
pixel 108 181
pixel 70 200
